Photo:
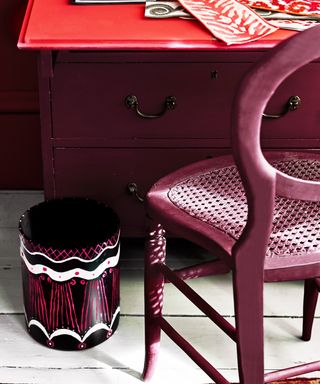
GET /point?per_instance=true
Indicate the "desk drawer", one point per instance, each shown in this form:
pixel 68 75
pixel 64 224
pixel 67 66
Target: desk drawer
pixel 104 174
pixel 305 121
pixel 88 99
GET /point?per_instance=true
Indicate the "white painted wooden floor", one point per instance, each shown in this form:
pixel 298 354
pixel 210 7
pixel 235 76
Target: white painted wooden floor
pixel 120 359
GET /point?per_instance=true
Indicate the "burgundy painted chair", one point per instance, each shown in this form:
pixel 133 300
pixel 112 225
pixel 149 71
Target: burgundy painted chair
pixel 258 213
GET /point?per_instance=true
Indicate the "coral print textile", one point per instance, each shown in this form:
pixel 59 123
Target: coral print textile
pixel 297 381
pixel 228 20
pixel 297 7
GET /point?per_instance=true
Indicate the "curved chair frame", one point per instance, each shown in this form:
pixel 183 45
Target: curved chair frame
pixel 246 256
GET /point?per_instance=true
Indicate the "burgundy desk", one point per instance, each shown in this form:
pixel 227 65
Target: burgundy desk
pixel 92 57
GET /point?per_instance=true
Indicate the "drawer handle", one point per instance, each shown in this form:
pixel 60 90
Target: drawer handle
pixel 170 103
pixel 133 190
pixel 292 104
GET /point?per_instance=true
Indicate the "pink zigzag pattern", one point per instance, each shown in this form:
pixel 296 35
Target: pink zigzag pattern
pixel 88 253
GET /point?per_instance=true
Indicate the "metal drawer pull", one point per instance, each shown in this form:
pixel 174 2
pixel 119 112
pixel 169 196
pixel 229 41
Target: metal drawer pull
pixel 133 190
pixel 292 104
pixel 169 104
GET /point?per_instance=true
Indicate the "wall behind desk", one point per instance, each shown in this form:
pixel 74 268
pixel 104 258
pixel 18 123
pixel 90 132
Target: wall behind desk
pixel 20 151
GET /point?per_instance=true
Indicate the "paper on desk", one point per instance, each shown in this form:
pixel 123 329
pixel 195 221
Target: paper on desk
pixel 229 20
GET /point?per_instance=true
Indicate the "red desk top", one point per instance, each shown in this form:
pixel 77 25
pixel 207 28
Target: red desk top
pixel 57 24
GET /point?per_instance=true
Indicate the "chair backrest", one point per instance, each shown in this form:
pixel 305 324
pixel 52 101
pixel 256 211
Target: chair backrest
pixel 261 180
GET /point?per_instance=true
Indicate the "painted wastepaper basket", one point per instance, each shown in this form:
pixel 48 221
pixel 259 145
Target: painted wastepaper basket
pixel 70 251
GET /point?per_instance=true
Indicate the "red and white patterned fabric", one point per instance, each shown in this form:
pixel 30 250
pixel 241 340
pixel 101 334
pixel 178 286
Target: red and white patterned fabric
pixel 296 7
pixel 228 20
pixel 293 25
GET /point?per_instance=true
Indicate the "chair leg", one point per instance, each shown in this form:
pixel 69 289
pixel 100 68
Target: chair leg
pixel 248 300
pixel 154 284
pixel 309 306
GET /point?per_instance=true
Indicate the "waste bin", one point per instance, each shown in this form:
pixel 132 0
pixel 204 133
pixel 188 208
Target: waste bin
pixel 70 251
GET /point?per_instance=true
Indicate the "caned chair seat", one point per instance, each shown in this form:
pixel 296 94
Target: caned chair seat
pixel 211 194
pixel 217 197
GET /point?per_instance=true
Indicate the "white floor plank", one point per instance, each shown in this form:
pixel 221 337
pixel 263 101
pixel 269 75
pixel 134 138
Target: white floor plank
pixel 9 247
pixel 14 204
pixel 71 376
pixel 125 349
